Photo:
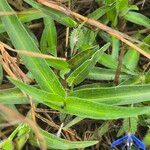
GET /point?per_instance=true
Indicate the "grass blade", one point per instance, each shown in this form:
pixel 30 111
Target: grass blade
pixel 12 96
pixel 82 71
pixel 56 15
pixel 82 107
pixel 138 18
pixel 98 73
pixel 120 95
pixel 54 142
pixel 48 43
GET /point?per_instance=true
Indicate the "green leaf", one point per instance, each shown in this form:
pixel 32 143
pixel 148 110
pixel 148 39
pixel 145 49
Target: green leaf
pixel 83 108
pixel 81 57
pixel 12 96
pixel 115 48
pixel 147 138
pixel 59 64
pixel 38 67
pixel 98 73
pixel 56 15
pixel 73 122
pixel 119 95
pixel 30 14
pixel 54 142
pixel 7 145
pixel 111 63
pixel 137 18
pixel 48 43
pixel 146 41
pixel 112 14
pixel 129 125
pixel 55 101
pixel 98 13
pixel 20 136
pixel 108 61
pixel 26 16
pixel 90 109
pixel 122 6
pixel 131 59
pixel 82 71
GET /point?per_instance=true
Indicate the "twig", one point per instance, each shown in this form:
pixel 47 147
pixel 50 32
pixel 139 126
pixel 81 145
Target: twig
pixel 29 53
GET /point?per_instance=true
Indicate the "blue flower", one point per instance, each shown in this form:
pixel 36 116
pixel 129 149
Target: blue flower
pixel 129 141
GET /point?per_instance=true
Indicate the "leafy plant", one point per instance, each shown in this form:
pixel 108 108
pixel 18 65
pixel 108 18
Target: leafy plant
pixel 95 84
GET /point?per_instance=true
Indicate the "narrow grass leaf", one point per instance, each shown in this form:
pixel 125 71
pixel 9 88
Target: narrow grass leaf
pixel 73 122
pixel 131 59
pixel 56 15
pixel 40 96
pixel 111 63
pixel 82 71
pixel 98 13
pixel 26 16
pixel 83 108
pixel 54 142
pixel 12 96
pixel 81 57
pixel 59 64
pixel 98 73
pixel 137 18
pixel 115 48
pixel 91 109
pixel 48 42
pixel 119 95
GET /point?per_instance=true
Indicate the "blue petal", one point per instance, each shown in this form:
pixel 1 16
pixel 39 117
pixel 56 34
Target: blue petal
pixel 138 143
pixel 119 141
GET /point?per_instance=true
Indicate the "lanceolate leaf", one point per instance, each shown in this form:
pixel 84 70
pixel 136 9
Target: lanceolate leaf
pixel 21 40
pixel 41 96
pixel 131 59
pixel 12 96
pixel 81 107
pixel 54 142
pixel 101 11
pixel 138 19
pixel 82 71
pixel 115 95
pixel 98 73
pixel 48 43
pixel 78 59
pixel 26 16
pixel 109 62
pixel 56 15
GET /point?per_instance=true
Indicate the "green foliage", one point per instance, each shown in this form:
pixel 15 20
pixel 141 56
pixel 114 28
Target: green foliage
pixel 48 43
pixel 57 143
pixel 138 19
pixel 81 85
pixel 120 95
pixel 14 27
pixel 79 74
pixel 56 15
pixel 81 106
